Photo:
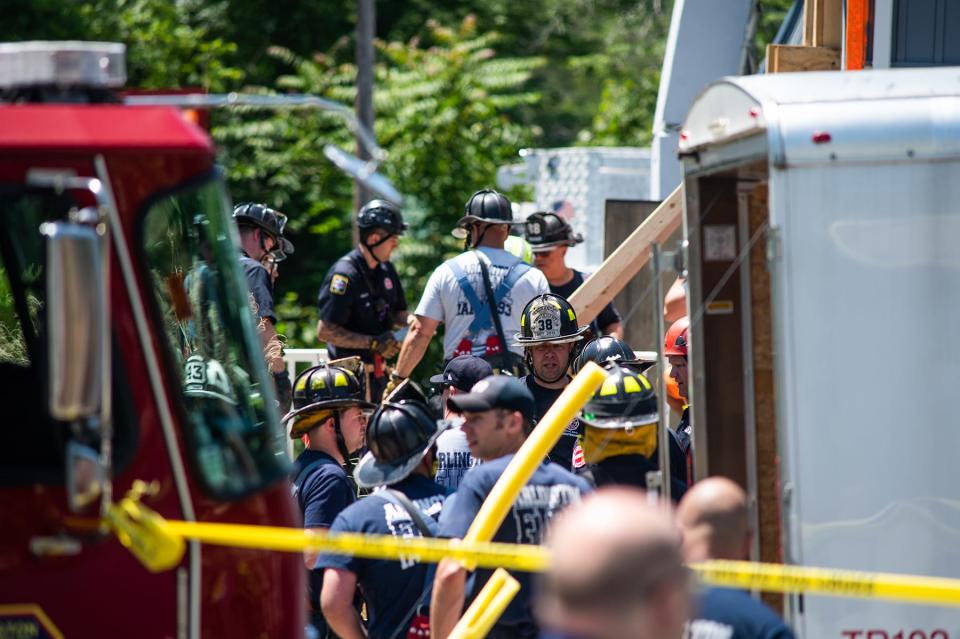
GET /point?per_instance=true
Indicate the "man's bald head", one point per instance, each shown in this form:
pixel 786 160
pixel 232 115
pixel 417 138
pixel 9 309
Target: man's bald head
pixel 616 570
pixel 714 519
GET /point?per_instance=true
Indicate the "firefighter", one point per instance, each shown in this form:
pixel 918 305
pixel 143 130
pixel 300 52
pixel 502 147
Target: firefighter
pixel 611 349
pixel 550 236
pixel 620 432
pixel 549 335
pixel 616 571
pixel 229 464
pixel 453 453
pixel 456 293
pixel 328 408
pixel 361 301
pixel 675 344
pixel 714 520
pixel 498 413
pixel 401 438
pixel 261 234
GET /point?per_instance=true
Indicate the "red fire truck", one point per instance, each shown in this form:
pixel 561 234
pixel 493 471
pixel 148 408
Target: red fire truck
pixel 128 351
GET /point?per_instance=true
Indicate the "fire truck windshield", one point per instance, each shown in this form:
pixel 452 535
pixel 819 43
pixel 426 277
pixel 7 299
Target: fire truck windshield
pixel 233 435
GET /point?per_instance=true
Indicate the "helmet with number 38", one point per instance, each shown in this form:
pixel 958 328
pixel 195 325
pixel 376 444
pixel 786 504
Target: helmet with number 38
pixel 549 319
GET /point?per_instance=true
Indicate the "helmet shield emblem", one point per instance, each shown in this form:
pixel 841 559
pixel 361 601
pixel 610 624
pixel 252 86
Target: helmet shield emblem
pixel 545 321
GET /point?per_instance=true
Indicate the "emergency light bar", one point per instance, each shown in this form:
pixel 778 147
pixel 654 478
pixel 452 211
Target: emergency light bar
pixel 71 63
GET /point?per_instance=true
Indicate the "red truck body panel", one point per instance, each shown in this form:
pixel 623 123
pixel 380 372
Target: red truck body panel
pixel 103 590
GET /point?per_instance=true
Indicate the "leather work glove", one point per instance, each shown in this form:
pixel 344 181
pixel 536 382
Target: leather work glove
pixel 395 380
pixel 385 344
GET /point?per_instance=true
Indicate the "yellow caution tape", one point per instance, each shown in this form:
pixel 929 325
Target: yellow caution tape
pixel 159 544
pixel 487 607
pixel 145 533
pixel 531 454
pixel 485 554
pixel 827 581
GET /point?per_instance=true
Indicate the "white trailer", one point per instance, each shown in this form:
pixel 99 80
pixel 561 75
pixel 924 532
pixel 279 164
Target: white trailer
pixel 823 218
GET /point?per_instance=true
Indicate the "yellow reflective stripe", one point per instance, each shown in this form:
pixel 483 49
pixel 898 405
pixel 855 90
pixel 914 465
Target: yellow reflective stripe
pixel 340 380
pixel 631 385
pixel 571 315
pixel 609 387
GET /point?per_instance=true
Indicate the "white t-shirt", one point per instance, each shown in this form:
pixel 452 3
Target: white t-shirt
pixel 453 457
pixel 444 301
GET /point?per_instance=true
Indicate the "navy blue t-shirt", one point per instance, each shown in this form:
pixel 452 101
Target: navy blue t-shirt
pixel 392 589
pixel 549 490
pixel 260 285
pixel 563 452
pixel 726 613
pixel 323 493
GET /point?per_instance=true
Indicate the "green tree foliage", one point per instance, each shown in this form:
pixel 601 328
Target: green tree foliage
pixel 169 44
pixel 443 113
pixel 452 104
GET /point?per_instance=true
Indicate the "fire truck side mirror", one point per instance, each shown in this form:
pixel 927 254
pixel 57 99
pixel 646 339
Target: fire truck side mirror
pixel 76 317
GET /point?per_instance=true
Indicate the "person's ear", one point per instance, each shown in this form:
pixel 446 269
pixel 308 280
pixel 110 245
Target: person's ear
pixel 516 421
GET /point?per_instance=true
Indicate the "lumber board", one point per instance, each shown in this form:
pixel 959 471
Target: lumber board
pixel 822 23
pixel 810 21
pixel 764 393
pixel 624 263
pixel 784 58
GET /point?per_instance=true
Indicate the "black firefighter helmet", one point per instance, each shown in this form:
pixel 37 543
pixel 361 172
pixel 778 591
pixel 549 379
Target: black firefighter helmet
pixel 609 348
pixel 399 436
pixel 381 214
pixel 549 319
pixel 544 231
pixel 324 388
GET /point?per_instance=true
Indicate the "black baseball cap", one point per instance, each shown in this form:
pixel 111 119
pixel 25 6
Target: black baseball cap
pixel 462 372
pixel 496 391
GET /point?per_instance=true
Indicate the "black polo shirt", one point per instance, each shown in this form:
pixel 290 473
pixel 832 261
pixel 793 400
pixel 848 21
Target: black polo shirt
pixel 608 315
pixel 360 299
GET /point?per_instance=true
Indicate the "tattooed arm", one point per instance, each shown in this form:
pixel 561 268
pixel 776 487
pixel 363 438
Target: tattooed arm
pixel 341 337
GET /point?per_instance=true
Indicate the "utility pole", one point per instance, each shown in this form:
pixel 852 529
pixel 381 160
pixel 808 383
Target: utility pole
pixel 366 24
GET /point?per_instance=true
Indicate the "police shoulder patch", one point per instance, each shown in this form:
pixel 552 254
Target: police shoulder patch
pixel 338 285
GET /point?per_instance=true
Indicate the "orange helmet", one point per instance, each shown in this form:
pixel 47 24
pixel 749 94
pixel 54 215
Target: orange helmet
pixel 676 341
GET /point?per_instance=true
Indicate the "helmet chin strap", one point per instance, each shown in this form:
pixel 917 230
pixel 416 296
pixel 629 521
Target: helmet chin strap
pixel 486 228
pixel 370 247
pixel 341 442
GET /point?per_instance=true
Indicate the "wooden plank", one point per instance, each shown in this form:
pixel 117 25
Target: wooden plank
pixel 764 398
pixel 823 23
pixel 785 58
pixel 811 9
pixel 831 25
pixel 635 301
pixel 624 263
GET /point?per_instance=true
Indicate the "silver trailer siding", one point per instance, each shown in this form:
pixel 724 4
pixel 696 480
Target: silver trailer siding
pixel 863 172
